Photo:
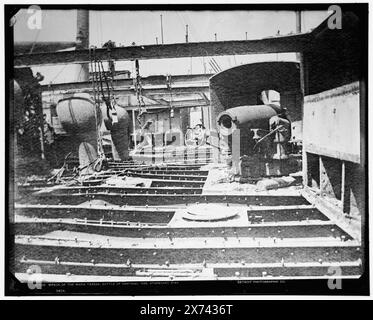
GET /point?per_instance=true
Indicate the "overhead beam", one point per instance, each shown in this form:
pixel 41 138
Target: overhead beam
pixel 186 103
pixel 159 101
pixel 151 90
pixel 178 104
pixel 293 43
pixel 177 95
pixel 184 80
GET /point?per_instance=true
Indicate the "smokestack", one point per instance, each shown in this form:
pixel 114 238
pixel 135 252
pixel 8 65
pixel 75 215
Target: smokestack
pixel 162 29
pixel 298 21
pixel 82 41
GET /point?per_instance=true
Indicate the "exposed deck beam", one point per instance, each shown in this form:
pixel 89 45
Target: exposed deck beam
pixel 151 90
pixel 293 43
pixel 178 104
pixel 185 103
pixel 160 80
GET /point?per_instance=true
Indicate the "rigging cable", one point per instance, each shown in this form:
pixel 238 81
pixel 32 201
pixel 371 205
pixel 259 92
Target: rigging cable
pixel 96 77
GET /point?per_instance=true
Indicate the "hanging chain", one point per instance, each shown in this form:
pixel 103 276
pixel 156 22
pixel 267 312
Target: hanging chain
pixel 110 108
pixel 111 64
pixel 138 89
pixel 96 77
pixel 169 87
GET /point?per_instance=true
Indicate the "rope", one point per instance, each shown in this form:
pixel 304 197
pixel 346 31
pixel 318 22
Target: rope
pixel 63 68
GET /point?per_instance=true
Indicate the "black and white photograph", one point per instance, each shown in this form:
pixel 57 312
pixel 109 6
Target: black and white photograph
pixel 205 149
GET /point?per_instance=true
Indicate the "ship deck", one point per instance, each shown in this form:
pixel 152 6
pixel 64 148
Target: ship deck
pixel 139 223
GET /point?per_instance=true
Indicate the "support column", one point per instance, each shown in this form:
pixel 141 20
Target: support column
pixel 298 29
